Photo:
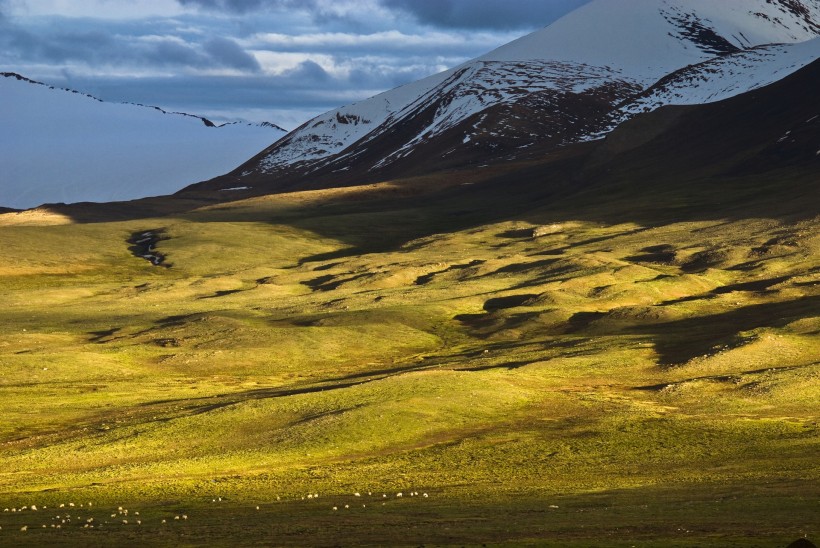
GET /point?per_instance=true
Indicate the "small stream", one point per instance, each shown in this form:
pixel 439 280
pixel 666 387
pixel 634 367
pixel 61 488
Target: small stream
pixel 143 245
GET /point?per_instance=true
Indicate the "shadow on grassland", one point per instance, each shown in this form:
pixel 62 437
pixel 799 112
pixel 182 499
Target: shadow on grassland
pixel 679 341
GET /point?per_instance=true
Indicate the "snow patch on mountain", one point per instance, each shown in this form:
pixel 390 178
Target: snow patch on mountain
pixel 486 84
pixel 331 133
pixel 58 145
pixel 726 76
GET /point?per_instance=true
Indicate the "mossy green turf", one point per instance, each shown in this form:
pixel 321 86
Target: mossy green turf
pixel 611 382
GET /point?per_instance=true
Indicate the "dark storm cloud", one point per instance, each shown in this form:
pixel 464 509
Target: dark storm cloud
pixel 308 71
pixel 229 54
pixel 485 14
pixel 170 53
pixel 245 6
pixel 463 14
pixel 102 43
pixel 57 47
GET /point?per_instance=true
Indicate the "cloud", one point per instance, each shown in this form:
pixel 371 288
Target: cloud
pixel 485 14
pixel 349 14
pixel 229 54
pixel 169 52
pixel 462 14
pixel 245 6
pixel 104 46
pixel 308 72
pixel 100 9
pixel 394 42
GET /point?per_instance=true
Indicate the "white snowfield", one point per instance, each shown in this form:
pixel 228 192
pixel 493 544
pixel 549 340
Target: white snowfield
pixel 61 146
pixel 635 43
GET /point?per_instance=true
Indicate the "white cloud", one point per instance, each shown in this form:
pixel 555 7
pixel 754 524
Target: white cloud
pixel 275 63
pixel 392 39
pixel 104 9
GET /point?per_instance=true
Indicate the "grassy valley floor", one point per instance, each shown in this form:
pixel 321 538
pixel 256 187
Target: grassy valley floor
pixel 524 369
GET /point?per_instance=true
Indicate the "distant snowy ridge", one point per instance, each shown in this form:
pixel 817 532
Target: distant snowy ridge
pixel 609 51
pixel 204 120
pixel 59 145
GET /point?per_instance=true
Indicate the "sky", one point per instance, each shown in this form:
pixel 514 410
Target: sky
pixel 282 61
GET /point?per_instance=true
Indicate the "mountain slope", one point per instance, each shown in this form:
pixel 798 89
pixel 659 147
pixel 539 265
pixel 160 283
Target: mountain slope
pixel 724 76
pixel 57 145
pixel 561 84
pixel 761 147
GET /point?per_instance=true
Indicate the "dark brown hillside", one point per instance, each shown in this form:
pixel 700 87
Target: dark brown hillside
pixel 769 128
pixel 759 148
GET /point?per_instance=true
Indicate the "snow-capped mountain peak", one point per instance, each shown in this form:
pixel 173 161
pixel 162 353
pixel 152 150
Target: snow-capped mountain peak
pixel 560 84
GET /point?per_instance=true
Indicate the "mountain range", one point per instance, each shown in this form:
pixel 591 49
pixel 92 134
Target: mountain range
pixel 572 81
pixel 60 145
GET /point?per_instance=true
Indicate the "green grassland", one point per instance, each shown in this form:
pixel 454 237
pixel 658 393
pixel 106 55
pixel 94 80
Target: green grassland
pixel 632 375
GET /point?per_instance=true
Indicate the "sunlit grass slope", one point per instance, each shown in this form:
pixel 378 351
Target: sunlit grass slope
pixel 522 368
